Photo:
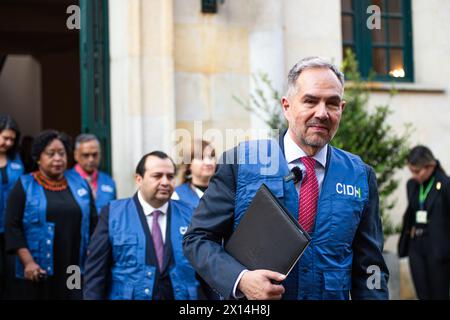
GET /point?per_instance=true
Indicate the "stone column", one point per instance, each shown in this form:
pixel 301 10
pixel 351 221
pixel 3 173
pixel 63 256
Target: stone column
pixel 312 28
pixel 266 43
pixel 142 85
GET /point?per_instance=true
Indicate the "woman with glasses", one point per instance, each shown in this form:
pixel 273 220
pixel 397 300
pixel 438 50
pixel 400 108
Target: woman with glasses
pixel 49 219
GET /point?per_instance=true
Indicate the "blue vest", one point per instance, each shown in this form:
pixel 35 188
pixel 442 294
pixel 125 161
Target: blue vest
pixel 131 277
pixel 14 169
pixel 187 195
pixel 39 233
pixel 106 190
pixel 324 270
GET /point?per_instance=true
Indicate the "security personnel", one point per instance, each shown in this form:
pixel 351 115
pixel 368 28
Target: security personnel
pixel 425 237
pixel 87 156
pixel 136 251
pixel 336 202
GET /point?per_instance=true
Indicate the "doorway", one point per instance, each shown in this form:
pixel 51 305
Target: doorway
pixel 52 77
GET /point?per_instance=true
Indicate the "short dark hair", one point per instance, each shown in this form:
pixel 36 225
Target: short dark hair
pixel 85 137
pixel 8 123
pixel 420 156
pixel 45 138
pixel 140 168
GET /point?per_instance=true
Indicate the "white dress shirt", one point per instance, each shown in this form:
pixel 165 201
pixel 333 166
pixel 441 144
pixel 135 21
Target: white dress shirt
pixel 148 211
pixel 293 153
pixel 199 193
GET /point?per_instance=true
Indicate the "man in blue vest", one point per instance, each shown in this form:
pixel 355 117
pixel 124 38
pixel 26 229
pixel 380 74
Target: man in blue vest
pixel 336 202
pixel 87 155
pixel 136 251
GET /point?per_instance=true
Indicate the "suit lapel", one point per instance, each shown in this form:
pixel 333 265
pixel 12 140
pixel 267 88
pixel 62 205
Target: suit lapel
pixel 168 243
pixel 434 192
pixel 281 141
pixel 150 255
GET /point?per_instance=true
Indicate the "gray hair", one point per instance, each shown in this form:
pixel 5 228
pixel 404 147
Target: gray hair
pixel 85 137
pixel 308 63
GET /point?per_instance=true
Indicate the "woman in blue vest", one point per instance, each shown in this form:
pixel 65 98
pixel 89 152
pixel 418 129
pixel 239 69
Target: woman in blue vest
pixel 197 174
pixel 11 169
pixel 195 180
pixel 49 219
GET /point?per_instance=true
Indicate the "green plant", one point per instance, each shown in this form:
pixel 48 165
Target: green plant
pixel 265 102
pixel 367 134
pixel 362 132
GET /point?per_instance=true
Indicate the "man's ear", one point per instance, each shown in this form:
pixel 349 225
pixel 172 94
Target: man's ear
pixel 343 104
pixel 76 155
pixel 138 179
pixel 285 104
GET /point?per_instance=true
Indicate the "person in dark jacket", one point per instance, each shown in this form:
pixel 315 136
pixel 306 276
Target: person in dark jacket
pixel 425 236
pixel 336 202
pixel 49 218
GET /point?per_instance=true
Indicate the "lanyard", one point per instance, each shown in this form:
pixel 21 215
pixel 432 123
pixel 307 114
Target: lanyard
pixel 423 195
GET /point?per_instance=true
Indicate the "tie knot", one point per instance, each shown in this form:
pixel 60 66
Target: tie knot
pixel 309 162
pixel 156 214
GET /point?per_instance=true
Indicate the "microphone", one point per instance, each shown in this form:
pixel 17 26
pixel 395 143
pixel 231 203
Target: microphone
pixel 296 175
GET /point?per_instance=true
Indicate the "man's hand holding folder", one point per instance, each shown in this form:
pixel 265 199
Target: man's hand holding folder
pixel 262 285
pixel 269 242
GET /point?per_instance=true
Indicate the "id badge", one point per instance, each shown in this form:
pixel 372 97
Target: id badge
pixel 421 217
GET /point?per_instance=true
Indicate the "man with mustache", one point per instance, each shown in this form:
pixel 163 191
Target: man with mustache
pixel 336 202
pixel 136 250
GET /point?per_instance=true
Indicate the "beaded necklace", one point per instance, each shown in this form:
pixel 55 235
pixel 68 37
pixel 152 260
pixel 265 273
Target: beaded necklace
pixel 49 184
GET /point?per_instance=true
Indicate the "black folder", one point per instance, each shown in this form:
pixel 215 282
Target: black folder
pixel 268 237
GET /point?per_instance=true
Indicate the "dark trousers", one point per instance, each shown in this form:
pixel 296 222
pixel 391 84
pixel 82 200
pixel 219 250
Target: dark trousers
pixel 431 275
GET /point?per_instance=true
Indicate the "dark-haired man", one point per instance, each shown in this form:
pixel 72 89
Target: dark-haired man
pixel 136 251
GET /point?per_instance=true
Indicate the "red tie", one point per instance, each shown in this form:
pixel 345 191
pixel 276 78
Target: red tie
pixel 309 194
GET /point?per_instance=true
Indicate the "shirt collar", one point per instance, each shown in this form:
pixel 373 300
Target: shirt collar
pixel 293 152
pixel 148 209
pixel 85 175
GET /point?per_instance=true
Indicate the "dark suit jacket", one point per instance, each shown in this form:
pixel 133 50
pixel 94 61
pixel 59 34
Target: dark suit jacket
pixel 437 206
pixel 213 219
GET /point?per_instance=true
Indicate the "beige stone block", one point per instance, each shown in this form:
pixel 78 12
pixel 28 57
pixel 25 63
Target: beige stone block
pixel 157 31
pixel 157 83
pixel 192 96
pixel 223 134
pixel 312 31
pixel 203 48
pixel 223 106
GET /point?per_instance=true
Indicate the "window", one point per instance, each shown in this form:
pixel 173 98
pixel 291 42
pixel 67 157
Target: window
pixel 387 51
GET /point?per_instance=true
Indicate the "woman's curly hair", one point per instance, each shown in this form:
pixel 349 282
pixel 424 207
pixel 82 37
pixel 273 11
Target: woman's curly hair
pixel 45 138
